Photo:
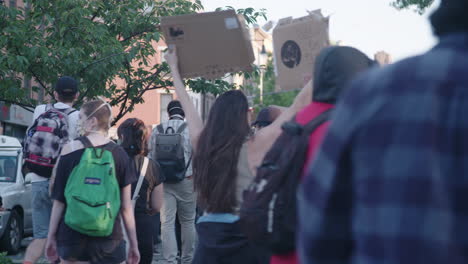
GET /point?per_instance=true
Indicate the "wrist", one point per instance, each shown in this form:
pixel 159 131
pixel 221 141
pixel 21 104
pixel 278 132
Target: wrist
pixel 134 245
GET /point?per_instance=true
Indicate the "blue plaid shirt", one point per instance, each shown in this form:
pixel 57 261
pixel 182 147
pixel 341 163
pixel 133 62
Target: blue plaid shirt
pixel 390 182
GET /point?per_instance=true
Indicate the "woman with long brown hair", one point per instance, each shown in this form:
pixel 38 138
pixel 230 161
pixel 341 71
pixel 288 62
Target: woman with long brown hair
pixel 225 159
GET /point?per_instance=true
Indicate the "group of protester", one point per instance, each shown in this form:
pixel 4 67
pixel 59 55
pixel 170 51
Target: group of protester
pixel 381 177
pixel 139 182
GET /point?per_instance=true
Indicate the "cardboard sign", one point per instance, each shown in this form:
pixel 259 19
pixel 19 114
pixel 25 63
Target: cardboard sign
pixel 296 43
pixel 210 44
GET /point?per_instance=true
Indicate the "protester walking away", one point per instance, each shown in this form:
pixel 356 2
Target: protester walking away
pixel 225 159
pixel 170 146
pixel 268 214
pixel 147 192
pixel 54 125
pixel 92 194
pixel 266 116
pixel 389 183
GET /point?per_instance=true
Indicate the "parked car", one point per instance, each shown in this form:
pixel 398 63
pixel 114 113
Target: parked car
pixel 15 192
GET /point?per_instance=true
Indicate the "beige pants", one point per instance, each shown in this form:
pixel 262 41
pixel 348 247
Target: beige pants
pixel 179 198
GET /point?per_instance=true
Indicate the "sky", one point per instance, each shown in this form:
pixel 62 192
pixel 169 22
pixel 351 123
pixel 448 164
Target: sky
pixel 369 25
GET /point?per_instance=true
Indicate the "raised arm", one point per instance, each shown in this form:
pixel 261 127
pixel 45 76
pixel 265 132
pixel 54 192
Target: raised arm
pixel 264 139
pixel 194 120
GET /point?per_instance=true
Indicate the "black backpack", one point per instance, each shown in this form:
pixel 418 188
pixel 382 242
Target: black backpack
pixel 268 213
pixel 170 153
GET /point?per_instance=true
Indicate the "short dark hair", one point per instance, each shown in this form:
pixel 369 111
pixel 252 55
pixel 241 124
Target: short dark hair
pixel 134 135
pixel 66 98
pixel 175 108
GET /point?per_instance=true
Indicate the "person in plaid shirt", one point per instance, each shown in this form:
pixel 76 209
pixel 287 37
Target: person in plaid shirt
pixel 390 182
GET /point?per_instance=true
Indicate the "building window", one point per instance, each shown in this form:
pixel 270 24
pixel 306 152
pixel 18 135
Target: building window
pixel 12 3
pixel 165 99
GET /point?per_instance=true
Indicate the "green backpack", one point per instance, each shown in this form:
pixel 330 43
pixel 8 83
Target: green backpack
pixel 92 192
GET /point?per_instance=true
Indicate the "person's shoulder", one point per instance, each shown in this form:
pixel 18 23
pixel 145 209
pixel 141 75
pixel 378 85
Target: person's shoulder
pixel 40 108
pixel 118 152
pixel 162 125
pixel 388 79
pixel 71 146
pixel 74 114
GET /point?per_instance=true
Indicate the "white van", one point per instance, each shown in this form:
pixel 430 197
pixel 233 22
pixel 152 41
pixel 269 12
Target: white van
pixel 15 193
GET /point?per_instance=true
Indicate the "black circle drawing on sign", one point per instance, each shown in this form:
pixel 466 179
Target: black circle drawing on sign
pixel 291 54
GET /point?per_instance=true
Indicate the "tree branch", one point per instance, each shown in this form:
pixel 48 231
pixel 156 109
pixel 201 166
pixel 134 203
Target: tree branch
pixel 40 82
pixel 122 106
pixel 95 14
pixel 27 107
pixel 35 75
pixel 100 60
pixel 138 33
pixel 124 109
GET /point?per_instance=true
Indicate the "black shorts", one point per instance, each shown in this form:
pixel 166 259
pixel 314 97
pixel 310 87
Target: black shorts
pixel 96 251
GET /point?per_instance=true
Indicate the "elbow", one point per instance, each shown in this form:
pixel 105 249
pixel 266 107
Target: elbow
pixel 156 208
pixel 126 208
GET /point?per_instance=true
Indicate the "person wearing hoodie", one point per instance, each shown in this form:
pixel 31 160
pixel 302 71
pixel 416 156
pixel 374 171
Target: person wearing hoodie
pixel 390 181
pixel 335 67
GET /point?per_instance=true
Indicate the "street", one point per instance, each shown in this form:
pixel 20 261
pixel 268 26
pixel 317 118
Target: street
pixel 157 257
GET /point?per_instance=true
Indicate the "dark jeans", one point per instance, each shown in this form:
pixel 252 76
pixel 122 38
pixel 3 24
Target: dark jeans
pixel 144 229
pixel 222 243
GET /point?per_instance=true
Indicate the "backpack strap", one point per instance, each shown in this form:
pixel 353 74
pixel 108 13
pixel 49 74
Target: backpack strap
pixel 188 164
pixel 317 121
pixel 69 111
pixel 160 129
pixel 181 128
pixel 110 146
pixel 143 170
pixel 86 142
pixel 65 111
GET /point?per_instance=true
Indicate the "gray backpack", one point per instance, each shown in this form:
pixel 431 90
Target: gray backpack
pixel 170 153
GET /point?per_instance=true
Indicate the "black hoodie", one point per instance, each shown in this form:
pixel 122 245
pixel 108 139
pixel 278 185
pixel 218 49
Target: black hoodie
pixel 450 17
pixel 334 68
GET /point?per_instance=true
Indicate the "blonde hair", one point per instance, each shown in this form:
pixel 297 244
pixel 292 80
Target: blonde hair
pixel 99 109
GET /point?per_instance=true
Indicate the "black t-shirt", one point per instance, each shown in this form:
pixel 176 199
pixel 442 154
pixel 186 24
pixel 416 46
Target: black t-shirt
pixel 125 173
pixel 151 180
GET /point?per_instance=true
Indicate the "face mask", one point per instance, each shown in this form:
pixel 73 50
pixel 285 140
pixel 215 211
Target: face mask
pixel 81 126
